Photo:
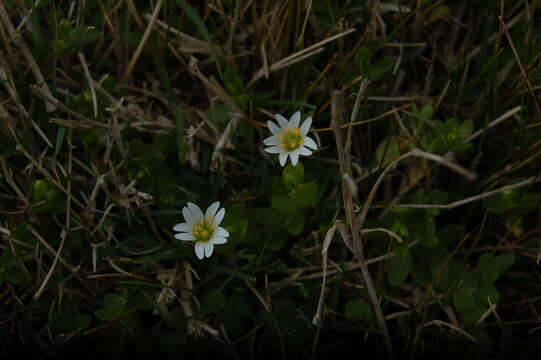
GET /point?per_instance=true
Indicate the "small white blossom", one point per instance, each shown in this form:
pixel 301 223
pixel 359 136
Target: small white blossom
pixel 201 228
pixel 289 139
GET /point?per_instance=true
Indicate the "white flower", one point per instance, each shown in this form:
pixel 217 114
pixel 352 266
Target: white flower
pixel 201 228
pixel 289 139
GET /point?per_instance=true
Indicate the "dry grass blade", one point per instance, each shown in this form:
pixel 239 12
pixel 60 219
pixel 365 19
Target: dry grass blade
pixel 455 204
pixel 316 320
pixel 19 41
pixel 53 266
pixel 142 43
pixel 337 109
pixel 521 67
pixel 295 57
pixel 184 43
pixel 234 112
pixel 451 326
pixel 413 153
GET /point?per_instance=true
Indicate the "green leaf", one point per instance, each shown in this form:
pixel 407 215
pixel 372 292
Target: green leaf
pixel 464 301
pixel 283 205
pixel 379 68
pixel 229 271
pixel 239 305
pixel 401 249
pixel 426 112
pixel 278 187
pixel 276 239
pixel 492 267
pixel 473 316
pixel 47 197
pixel 296 224
pixel 293 176
pixel 113 307
pixel 236 212
pixel 59 139
pixel 233 82
pixel 488 291
pixel 214 302
pixel 438 12
pixel 237 220
pixel 267 216
pixel 388 150
pixel 161 142
pixel 439 268
pixel 305 195
pixel 399 269
pixel 165 178
pixel 359 309
pixel 420 272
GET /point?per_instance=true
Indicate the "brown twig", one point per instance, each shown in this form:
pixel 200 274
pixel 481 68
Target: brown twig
pixel 337 109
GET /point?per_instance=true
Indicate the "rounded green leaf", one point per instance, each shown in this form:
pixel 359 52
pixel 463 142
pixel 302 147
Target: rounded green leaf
pixel 268 216
pixel 305 195
pixel 488 291
pixel 283 205
pixel 464 300
pixel 359 309
pixel 491 267
pixel 276 239
pixel 293 176
pixel 399 269
pixel 296 224
pixel 214 302
pixel 113 307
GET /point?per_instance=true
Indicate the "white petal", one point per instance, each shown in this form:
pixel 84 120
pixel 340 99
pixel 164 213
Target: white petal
pixel 283 158
pixel 196 211
pixel 185 236
pixel 188 216
pixel 284 124
pixel 218 240
pixel 209 247
pixel 273 140
pixel 219 217
pixel 305 126
pixel 220 231
pixel 295 120
pixel 304 151
pixel 200 250
pixel 308 142
pixel 274 150
pixel 294 157
pixel 274 129
pixel 211 210
pixel 182 227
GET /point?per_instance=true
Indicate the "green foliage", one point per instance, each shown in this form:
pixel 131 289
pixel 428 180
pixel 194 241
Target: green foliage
pixel 113 306
pixel 71 38
pixel 450 135
pixel 47 197
pixel 512 200
pixel 491 267
pixel 293 176
pixel 359 309
pixel 399 265
pixel 144 122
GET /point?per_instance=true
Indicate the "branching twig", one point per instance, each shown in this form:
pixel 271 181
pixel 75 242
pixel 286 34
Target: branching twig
pixel 529 181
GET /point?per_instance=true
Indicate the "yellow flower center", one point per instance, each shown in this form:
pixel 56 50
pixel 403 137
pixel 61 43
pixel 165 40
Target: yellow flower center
pixel 204 229
pixel 291 139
